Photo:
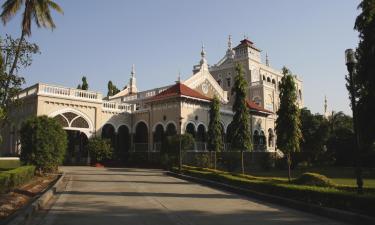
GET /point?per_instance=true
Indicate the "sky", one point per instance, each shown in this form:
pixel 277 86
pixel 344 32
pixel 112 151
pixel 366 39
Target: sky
pixel 101 39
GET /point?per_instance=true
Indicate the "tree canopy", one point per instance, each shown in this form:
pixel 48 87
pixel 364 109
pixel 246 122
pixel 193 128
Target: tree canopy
pixel 215 136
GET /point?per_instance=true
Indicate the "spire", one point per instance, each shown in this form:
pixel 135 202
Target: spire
pixel 132 81
pixel 230 51
pixel 178 77
pixel 203 61
pixel 267 61
pixel 133 71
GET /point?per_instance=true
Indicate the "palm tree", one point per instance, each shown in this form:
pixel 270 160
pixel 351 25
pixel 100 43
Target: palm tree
pixel 35 10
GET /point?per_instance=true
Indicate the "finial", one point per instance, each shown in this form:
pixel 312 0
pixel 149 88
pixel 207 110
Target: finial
pixel 133 70
pixel 267 61
pixel 325 106
pixel 203 52
pixel 179 77
pixel 230 42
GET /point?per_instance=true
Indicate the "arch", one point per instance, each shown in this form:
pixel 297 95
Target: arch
pixel 171 129
pixel 120 125
pixel 268 79
pixel 190 128
pixel 201 133
pixel 69 120
pixel 76 150
pixel 256 137
pixel 262 138
pixel 123 140
pixel 141 136
pixel 273 81
pixel 136 124
pixel 158 133
pixel 271 137
pixel 156 125
pixel 264 77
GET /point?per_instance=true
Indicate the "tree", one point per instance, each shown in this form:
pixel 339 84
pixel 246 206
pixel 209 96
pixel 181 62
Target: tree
pixel 84 85
pixel 362 84
pixel 43 143
pixel 315 132
pixel 10 85
pixel 240 138
pixel 34 10
pixel 112 89
pixel 215 136
pixel 288 123
pixel 99 149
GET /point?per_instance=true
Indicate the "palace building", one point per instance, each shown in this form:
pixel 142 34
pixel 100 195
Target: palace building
pixel 138 120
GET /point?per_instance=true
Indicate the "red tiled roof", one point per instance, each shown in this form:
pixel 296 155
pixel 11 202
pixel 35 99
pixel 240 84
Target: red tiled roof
pixel 179 90
pixel 253 106
pixel 245 42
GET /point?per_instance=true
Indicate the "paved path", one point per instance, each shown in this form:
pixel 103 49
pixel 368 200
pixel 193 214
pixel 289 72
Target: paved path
pixel 139 196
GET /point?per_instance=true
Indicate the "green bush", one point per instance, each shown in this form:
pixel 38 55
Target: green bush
pixel 314 179
pixel 202 160
pixel 9 163
pixel 322 196
pixel 13 178
pixel 43 142
pixel 99 149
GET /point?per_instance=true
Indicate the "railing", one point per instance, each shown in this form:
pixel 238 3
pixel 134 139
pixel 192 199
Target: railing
pixel 123 107
pixel 68 92
pixel 157 147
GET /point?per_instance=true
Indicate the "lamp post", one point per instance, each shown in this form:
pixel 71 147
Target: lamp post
pixel 350 62
pixel 180 150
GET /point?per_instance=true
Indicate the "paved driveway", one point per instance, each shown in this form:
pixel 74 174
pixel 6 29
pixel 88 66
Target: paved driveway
pixel 142 196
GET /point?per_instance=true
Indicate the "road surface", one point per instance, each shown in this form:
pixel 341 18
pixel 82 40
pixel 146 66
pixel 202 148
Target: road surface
pixel 144 196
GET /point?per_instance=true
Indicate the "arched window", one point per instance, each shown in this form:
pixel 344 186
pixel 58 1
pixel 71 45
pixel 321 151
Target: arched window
pixel 262 138
pixel 271 137
pixel 268 79
pixel 273 81
pixel 190 128
pixel 123 140
pixel 171 130
pixel 108 132
pixel 141 137
pixel 256 137
pixel 219 82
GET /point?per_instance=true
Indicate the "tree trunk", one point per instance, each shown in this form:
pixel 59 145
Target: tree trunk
pixel 289 161
pixel 215 160
pixel 242 164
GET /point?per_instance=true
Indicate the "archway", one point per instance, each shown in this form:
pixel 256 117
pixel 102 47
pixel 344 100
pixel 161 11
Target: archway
pixel 123 140
pixel 141 137
pixel 190 129
pixel 256 139
pixel 158 137
pixel 108 132
pixel 171 130
pixel 78 129
pixel 201 137
pixel 76 152
pixel 271 137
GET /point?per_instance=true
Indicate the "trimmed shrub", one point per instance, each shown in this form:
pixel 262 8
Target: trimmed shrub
pixel 9 163
pixel 99 149
pixel 13 178
pixel 43 143
pixel 314 179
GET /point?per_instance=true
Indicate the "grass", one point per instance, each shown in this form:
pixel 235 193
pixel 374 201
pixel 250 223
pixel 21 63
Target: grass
pixel 340 175
pixel 338 196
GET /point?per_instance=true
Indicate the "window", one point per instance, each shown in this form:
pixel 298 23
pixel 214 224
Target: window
pixel 219 82
pixel 268 79
pixel 228 82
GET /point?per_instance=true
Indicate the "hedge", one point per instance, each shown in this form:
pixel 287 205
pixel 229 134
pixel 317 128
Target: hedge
pixel 13 178
pixel 322 196
pixel 9 162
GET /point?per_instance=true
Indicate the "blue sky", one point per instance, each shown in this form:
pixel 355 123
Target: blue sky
pixel 102 39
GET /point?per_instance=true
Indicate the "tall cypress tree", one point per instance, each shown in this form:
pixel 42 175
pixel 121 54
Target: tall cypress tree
pixel 215 136
pixel 84 85
pixel 288 122
pixel 364 84
pixel 240 127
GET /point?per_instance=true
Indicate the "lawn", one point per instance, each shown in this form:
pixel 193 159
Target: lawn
pixel 340 175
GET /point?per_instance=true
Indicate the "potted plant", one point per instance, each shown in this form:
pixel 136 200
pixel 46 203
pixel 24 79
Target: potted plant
pixel 100 150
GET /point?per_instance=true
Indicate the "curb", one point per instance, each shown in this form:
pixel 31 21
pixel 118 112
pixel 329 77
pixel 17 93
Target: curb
pixel 24 215
pixel 335 214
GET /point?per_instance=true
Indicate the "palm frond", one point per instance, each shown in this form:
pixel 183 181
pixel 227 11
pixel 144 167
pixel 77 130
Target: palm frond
pixel 55 6
pixel 10 8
